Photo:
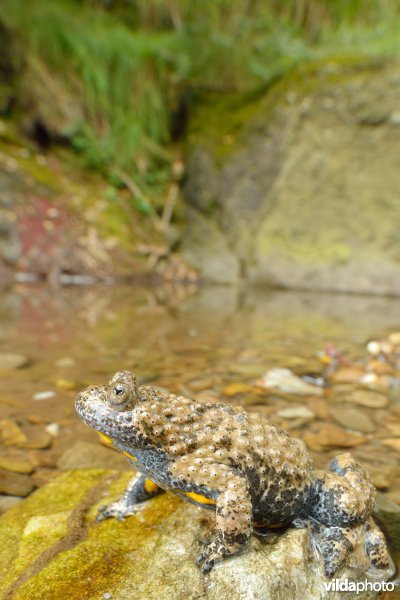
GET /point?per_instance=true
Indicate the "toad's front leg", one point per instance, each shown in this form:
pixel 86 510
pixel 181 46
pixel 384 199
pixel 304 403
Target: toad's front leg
pixel 138 490
pixel 234 521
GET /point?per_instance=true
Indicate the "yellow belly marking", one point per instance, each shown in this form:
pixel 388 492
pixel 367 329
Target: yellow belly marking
pixel 199 498
pixel 128 455
pixel 105 439
pixel 150 486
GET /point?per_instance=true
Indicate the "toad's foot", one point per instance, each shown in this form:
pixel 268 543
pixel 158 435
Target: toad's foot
pixel 139 490
pixel 119 510
pixel 212 554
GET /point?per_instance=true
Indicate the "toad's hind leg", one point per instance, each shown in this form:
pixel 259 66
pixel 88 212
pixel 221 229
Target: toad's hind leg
pixel 138 490
pixel 342 502
pixel 234 514
pixel 376 548
pixel 343 495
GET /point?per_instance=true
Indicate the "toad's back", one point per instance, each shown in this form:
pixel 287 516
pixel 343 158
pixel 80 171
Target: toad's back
pixel 196 434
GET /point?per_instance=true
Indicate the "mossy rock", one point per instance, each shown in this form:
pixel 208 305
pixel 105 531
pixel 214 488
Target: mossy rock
pixel 52 547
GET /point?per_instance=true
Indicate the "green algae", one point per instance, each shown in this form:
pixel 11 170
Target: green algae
pixel 82 564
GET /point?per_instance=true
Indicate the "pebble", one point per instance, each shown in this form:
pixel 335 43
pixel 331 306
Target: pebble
pixel 198 385
pixel 393 443
pixel 42 476
pixel 366 398
pixel 44 395
pixel 237 388
pixel 382 476
pixel 10 433
pixel 53 429
pixel 40 458
pixel 346 375
pixel 9 362
pixel 12 459
pixel 353 418
pixel 375 454
pixel 15 484
pixel 7 502
pixel 66 362
pixel 331 436
pixel 286 381
pixel 68 384
pixel 296 412
pixel 36 438
pixel 394 428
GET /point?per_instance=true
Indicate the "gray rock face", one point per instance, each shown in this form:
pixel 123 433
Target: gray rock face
pixel 303 184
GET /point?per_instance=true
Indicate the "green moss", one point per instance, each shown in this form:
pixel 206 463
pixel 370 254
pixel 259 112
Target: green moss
pixel 91 563
pixel 221 125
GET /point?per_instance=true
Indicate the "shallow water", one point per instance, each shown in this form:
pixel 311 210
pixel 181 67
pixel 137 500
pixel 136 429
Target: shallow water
pixel 197 344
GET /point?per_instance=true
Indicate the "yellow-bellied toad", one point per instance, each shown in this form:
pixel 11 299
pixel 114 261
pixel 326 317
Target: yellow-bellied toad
pixel 239 464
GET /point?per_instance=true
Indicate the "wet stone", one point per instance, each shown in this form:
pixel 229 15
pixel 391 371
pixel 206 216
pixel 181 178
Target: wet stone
pixel 12 459
pixel 11 434
pixel 296 412
pixel 15 484
pixel 393 443
pixel 9 361
pixel 7 502
pixel 353 418
pixel 36 438
pixel 331 436
pixel 382 475
pixel 366 398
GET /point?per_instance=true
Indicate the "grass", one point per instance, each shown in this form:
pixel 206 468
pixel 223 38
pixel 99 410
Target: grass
pixel 130 64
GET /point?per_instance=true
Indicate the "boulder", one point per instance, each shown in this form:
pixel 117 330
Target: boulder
pixel 300 186
pixel 51 547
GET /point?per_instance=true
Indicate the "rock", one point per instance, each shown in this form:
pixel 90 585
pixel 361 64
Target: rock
pixel 53 429
pixel 42 476
pixel 36 438
pixel 46 395
pixel 394 427
pixel 15 484
pixel 12 459
pixel 85 455
pixel 323 437
pixel 286 381
pixel 233 389
pixel 66 362
pixel 215 260
pixel 353 418
pixel 366 398
pixel 9 362
pixel 347 375
pixel 53 548
pixel 7 502
pixel 262 190
pixel 68 384
pixel 393 443
pixel 11 434
pixel 43 458
pixel 382 476
pixel 296 412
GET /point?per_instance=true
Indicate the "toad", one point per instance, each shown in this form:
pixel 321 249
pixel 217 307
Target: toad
pixel 236 463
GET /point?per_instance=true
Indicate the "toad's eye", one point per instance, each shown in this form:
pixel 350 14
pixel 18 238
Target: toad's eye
pixel 120 395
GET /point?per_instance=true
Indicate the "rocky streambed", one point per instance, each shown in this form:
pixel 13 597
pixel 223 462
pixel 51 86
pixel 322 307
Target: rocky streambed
pixel 322 367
